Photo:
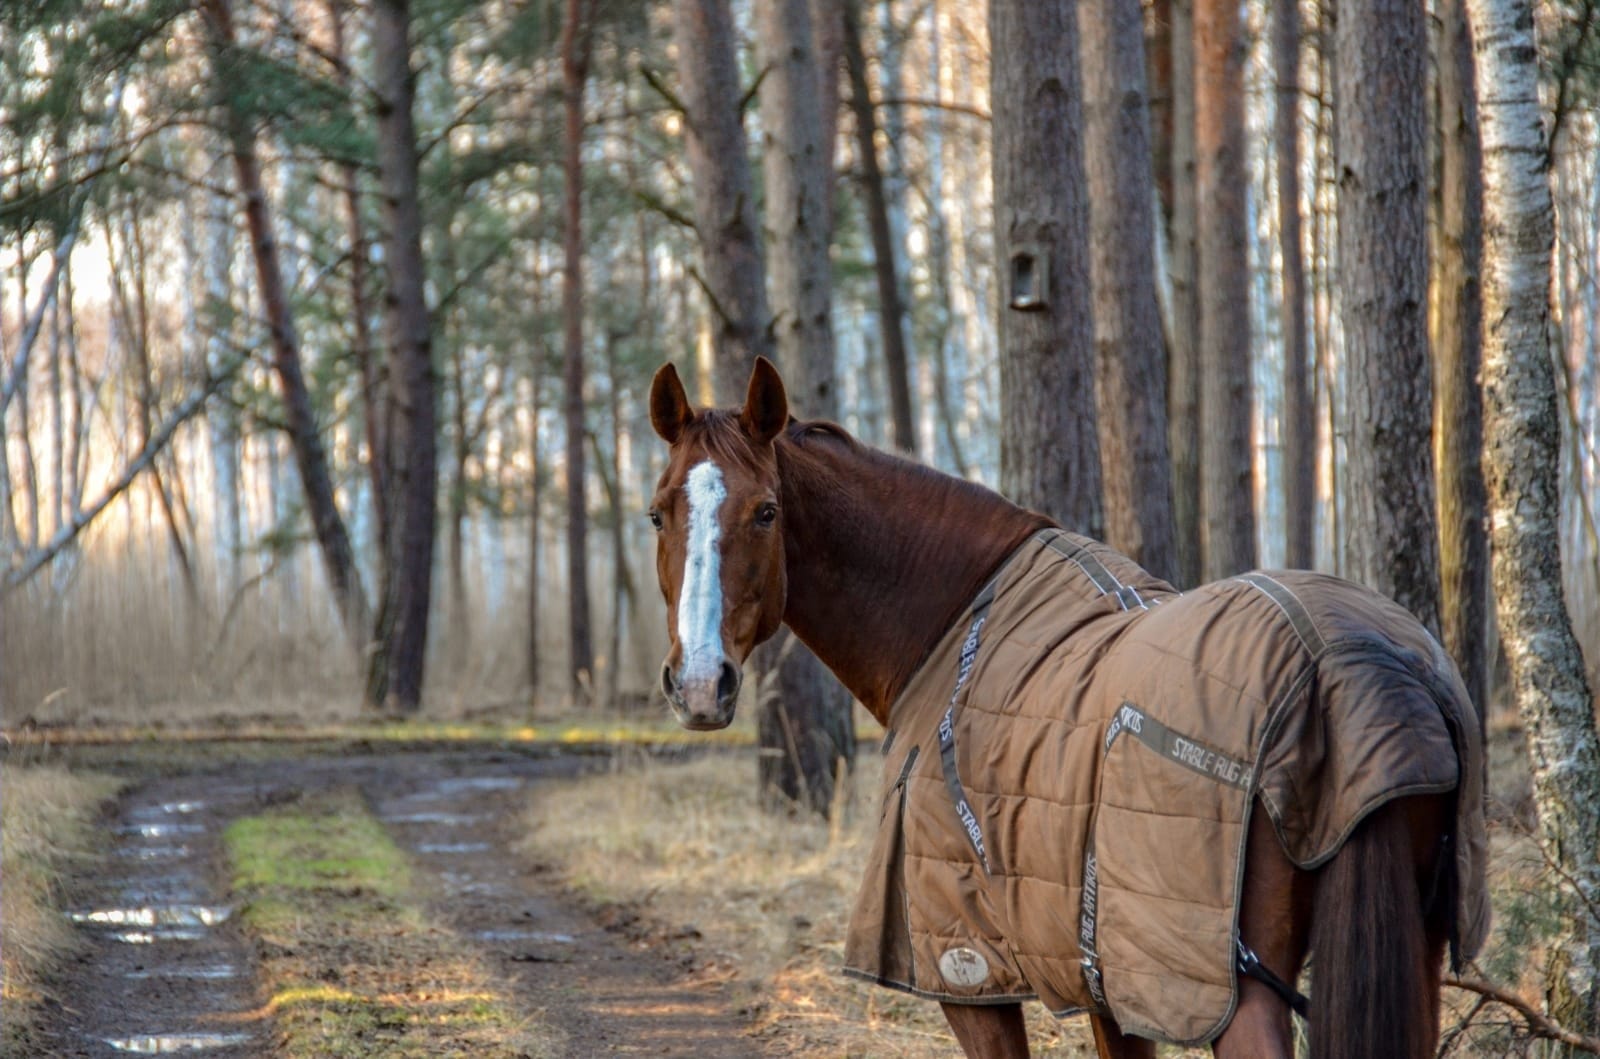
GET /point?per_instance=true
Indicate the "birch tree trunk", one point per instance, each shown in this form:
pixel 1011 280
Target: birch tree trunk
pixel 1049 452
pixel 1130 354
pixel 1522 436
pixel 1380 77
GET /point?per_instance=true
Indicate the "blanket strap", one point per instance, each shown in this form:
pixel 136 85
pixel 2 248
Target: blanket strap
pixel 1248 963
pixel 947 728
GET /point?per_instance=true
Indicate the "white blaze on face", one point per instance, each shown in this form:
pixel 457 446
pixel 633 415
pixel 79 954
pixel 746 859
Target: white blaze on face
pixel 700 604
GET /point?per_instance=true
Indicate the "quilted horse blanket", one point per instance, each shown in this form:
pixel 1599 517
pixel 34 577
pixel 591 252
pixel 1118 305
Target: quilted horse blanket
pixel 1069 778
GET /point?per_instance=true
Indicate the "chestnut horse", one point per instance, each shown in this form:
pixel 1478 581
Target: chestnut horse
pixel 870 559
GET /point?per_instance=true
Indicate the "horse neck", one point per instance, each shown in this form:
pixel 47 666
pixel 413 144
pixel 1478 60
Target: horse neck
pixel 881 557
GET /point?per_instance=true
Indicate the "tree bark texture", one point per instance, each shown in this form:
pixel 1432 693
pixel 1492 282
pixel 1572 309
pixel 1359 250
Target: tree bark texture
pixel 734 275
pixel 414 474
pixel 1298 429
pixel 1130 353
pixel 1458 357
pixel 1183 332
pixel 575 41
pixel 1522 435
pixel 1049 452
pixel 1380 73
pixel 1227 476
pixel 803 713
pixel 891 310
pixel 799 270
pixel 310 457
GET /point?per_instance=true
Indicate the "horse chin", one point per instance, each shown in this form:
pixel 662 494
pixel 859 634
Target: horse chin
pixel 705 724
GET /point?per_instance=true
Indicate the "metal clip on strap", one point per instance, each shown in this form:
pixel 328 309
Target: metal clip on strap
pixel 1250 964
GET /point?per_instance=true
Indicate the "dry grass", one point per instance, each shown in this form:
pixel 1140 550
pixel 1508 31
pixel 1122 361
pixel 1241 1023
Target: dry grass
pixel 685 845
pixel 47 823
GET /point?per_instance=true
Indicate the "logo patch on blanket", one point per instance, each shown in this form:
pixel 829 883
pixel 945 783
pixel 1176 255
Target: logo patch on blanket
pixel 964 967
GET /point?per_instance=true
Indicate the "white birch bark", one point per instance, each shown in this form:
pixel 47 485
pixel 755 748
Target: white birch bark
pixel 1521 445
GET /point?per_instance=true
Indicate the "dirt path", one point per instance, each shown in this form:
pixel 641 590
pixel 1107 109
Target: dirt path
pixel 167 968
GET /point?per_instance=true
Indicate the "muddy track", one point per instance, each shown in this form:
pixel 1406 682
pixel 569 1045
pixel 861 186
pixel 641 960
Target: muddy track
pixel 167 969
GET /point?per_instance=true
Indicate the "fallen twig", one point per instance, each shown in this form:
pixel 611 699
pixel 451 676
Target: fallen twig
pixel 1537 1024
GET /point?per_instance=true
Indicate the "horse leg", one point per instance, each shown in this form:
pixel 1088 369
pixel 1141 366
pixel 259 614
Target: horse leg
pixel 1275 921
pixel 988 1030
pixel 1112 1043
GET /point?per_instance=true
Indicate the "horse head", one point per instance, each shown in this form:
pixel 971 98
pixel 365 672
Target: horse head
pixel 719 539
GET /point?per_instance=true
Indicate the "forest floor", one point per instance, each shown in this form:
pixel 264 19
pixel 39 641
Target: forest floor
pixel 457 891
pixel 372 900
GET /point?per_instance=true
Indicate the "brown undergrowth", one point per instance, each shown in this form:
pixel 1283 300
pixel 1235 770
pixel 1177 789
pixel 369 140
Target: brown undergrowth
pixel 47 833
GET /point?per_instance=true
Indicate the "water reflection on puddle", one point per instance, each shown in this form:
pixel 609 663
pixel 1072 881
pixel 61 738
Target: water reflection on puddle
pixel 450 819
pixel 525 935
pixel 161 830
pixel 167 1043
pixel 154 852
pixel 452 847
pixel 218 972
pixel 170 916
pixel 465 784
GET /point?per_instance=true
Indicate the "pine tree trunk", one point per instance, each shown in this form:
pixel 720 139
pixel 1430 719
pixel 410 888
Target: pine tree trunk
pixel 575 41
pixel 1183 332
pixel 804 723
pixel 1049 452
pixel 1227 476
pixel 414 474
pixel 1298 422
pixel 734 274
pixel 310 456
pixel 891 310
pixel 799 271
pixel 1391 534
pixel 1458 357
pixel 1522 437
pixel 1130 353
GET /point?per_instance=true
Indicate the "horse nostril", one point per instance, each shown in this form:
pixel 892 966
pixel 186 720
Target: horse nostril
pixel 668 684
pixel 727 682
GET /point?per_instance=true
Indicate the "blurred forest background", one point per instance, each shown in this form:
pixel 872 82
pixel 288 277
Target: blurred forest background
pixel 160 547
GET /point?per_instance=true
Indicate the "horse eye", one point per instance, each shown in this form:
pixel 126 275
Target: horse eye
pixel 767 514
pixel 655 519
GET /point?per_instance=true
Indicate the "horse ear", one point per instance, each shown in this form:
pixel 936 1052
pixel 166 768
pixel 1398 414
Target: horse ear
pixel 766 406
pixel 669 404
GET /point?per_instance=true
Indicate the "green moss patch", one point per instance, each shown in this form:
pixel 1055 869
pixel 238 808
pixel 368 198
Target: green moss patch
pixel 353 965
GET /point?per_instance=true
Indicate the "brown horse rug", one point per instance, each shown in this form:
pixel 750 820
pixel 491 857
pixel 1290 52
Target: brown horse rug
pixel 1069 779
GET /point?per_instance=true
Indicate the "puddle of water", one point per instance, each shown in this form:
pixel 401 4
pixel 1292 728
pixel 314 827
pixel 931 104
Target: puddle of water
pixel 465 784
pixel 161 830
pixel 449 819
pixel 452 847
pixel 169 916
pixel 155 934
pixel 154 852
pixel 167 1043
pixel 525 935
pixel 219 972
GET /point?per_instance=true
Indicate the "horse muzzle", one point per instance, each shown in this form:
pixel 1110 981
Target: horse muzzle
pixel 703 703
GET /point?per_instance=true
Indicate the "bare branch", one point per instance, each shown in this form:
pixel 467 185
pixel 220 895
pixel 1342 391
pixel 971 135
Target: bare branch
pixel 1536 1024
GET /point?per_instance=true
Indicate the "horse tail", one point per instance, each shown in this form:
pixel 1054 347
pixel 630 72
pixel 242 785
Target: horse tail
pixel 1377 942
